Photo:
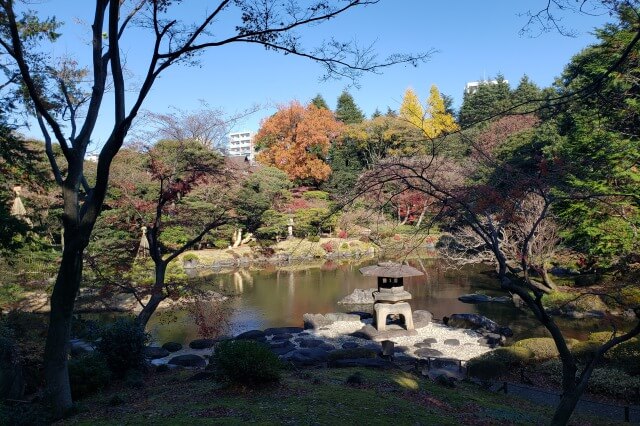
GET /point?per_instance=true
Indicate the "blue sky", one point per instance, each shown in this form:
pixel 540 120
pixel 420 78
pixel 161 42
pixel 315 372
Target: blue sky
pixel 472 38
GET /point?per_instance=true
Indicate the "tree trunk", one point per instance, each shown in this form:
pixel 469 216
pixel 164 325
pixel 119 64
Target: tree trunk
pixel 421 218
pixel 237 238
pixel 57 344
pixel 565 408
pixel 157 295
pixel 546 278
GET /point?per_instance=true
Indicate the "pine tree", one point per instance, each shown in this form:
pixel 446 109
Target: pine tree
pixel 391 113
pixel 319 102
pixel 376 114
pixel 490 99
pixel 525 93
pixel 347 111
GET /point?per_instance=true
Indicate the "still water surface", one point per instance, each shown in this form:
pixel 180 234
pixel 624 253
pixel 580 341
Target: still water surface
pixel 280 296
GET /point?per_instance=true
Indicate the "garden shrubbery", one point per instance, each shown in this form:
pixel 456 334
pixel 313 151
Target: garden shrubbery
pixel 626 356
pixel 600 336
pixel 604 380
pixel 543 348
pixel 88 374
pixel 509 356
pixel 492 365
pixel 122 344
pixel 246 362
pixel 485 369
pixel 584 351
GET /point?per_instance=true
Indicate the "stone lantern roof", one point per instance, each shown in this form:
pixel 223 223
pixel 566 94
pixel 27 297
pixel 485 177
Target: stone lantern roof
pixel 391 270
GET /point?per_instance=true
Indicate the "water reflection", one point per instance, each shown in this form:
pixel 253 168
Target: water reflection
pixel 280 296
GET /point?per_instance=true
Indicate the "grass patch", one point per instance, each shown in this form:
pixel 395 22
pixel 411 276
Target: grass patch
pixel 311 396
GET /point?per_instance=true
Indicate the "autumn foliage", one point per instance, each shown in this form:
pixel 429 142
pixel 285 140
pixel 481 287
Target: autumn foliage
pixel 296 140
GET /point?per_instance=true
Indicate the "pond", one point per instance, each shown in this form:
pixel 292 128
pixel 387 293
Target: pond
pixel 280 296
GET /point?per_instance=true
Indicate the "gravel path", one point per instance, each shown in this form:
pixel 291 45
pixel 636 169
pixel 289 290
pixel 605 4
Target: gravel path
pixel 338 333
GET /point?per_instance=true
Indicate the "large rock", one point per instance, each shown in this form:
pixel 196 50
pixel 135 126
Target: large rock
pixel 202 343
pixel 359 297
pixel 361 314
pixel 369 332
pixel 472 322
pixel 427 352
pixel 317 321
pixel 421 318
pixel 307 356
pixel 310 343
pixel 172 346
pixel 79 347
pixel 559 271
pixel 483 298
pixel 155 352
pixel 257 335
pixel 282 330
pixel 285 336
pixel 189 360
pixel 282 347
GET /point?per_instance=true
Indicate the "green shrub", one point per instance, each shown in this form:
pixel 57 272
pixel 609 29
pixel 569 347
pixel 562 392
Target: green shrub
pixel 551 368
pixel 313 238
pixel 246 362
pixel 315 195
pixel 603 380
pixel 175 236
pixel 312 221
pixel 600 336
pixel 584 351
pixel 88 374
pixel 557 299
pixel 352 354
pixel 572 301
pixel 630 296
pixel 485 369
pixel 122 343
pixel 344 246
pixel 189 257
pixel 134 379
pixel 543 348
pixel 220 244
pixel 613 382
pixel 626 356
pixel 509 356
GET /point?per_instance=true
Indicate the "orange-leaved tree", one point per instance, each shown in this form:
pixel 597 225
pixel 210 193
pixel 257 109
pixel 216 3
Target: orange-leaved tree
pixel 296 140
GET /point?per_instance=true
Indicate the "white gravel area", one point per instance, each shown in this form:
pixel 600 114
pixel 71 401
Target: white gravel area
pixel 338 333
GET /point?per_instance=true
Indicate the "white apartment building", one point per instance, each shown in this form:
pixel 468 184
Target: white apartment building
pixel 241 144
pixel 472 87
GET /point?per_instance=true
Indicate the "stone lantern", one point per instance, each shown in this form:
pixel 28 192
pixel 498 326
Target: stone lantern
pixel 391 298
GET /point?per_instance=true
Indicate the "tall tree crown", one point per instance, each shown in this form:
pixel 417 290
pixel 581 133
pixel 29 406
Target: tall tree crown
pixel 347 111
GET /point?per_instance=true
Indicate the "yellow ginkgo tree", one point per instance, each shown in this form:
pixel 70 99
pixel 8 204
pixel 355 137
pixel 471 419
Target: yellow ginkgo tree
pixel 433 122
